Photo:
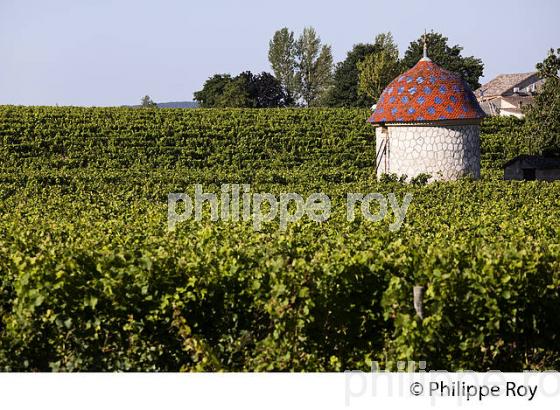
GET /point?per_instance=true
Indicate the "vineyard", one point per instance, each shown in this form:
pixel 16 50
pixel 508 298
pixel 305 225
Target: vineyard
pixel 92 280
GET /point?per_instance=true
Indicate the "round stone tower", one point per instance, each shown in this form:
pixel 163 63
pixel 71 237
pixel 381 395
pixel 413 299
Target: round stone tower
pixel 428 122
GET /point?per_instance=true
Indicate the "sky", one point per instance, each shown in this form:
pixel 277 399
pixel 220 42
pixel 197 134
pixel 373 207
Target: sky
pixel 103 53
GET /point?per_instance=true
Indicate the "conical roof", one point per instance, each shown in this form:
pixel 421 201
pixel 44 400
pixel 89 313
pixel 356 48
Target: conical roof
pixel 426 93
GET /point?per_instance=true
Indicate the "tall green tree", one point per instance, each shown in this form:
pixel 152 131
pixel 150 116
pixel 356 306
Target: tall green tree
pixel 379 67
pixel 448 57
pixel 315 67
pixel 542 126
pixel 344 91
pixel 282 58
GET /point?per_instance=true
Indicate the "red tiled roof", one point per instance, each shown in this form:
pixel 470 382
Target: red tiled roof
pixel 426 92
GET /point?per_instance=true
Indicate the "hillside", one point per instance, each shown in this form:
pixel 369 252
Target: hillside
pixel 178 104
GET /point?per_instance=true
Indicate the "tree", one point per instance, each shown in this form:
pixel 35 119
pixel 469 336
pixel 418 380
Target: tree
pixel 344 91
pixel 212 90
pixel 470 68
pixel 315 63
pixel 282 57
pixel 303 67
pixel 243 91
pixel 379 68
pixel 542 127
pixel 146 102
pixel 236 93
pixel 267 92
pixel 549 68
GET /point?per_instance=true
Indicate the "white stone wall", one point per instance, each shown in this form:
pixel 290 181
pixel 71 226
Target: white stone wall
pixel 444 152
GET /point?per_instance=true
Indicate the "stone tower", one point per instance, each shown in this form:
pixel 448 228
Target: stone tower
pixel 428 122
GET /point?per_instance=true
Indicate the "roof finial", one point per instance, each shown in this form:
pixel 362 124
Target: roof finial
pixel 425 38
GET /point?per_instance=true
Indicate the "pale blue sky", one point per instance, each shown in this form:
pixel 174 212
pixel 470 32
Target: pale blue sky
pixel 101 52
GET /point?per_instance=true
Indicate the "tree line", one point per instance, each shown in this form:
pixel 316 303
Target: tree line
pixel 304 75
pixel 303 72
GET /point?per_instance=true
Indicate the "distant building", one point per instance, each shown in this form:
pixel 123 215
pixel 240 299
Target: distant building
pixel 508 94
pixel 532 167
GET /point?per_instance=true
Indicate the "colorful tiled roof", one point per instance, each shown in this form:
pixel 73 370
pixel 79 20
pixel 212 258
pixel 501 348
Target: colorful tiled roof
pixel 426 92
